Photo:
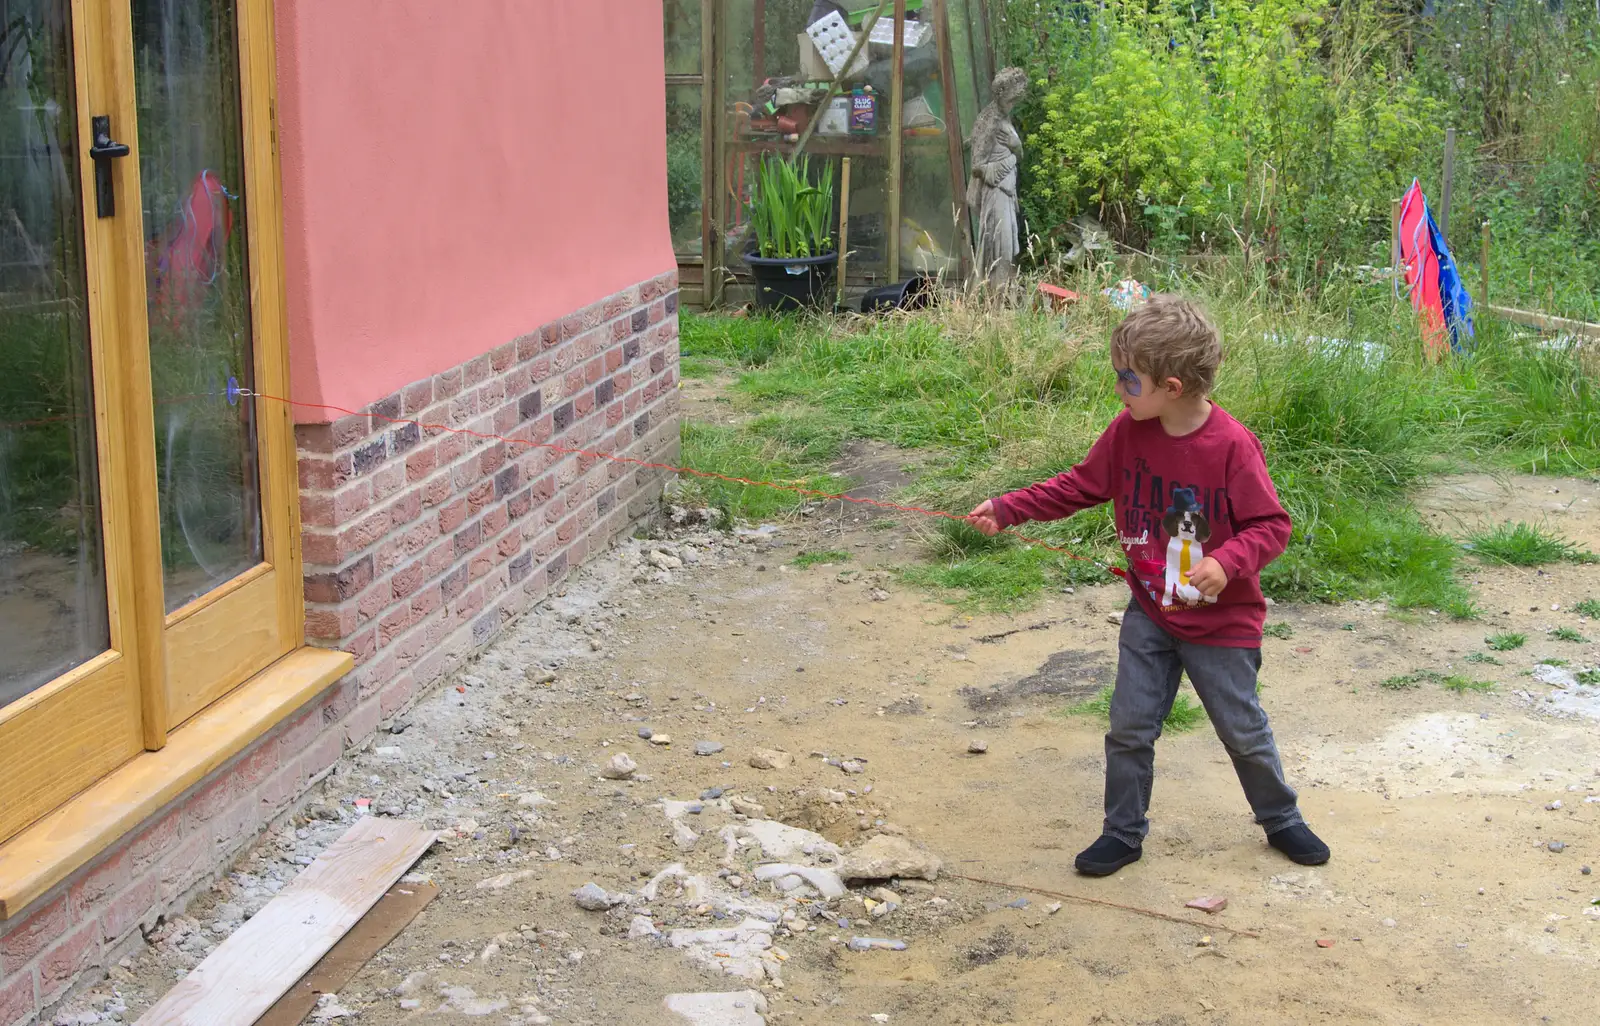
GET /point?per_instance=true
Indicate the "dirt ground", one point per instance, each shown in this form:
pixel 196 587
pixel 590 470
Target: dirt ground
pixel 1461 823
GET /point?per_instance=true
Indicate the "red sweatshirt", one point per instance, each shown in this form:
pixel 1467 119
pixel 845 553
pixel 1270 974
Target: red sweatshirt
pixel 1176 501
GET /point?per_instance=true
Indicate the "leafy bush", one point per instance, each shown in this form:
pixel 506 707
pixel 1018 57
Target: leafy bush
pixel 1285 129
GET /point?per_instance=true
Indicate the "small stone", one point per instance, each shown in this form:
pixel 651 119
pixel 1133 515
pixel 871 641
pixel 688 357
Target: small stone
pixel 1390 923
pixel 642 927
pixel 539 676
pixel 1585 870
pixel 504 880
pixel 770 759
pixel 1557 846
pixel 876 944
pixel 399 726
pixel 1208 904
pixel 619 767
pixel 660 739
pixel 1553 806
pixel 853 766
pixel 711 794
pixel 977 746
pixel 879 595
pixel 593 898
pixel 662 561
pixel 1324 942
pixel 645 733
pixel 884 856
pixel 707 747
pixel 1115 618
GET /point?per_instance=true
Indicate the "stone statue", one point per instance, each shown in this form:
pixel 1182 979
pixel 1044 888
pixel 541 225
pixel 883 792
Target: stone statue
pixel 992 187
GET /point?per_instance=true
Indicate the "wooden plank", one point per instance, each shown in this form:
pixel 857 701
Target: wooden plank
pixel 49 850
pixel 897 134
pixel 251 970
pixel 393 913
pixel 1546 322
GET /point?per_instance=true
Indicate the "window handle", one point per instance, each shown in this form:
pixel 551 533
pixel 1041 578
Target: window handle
pixel 102 153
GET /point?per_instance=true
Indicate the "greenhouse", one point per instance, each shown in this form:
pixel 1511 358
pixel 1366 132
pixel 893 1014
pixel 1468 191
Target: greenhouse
pixel 753 79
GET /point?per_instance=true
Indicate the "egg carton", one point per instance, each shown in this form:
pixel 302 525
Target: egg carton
pixel 834 41
pixel 917 33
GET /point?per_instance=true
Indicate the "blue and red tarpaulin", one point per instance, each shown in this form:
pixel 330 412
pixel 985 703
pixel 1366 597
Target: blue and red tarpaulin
pixel 1437 292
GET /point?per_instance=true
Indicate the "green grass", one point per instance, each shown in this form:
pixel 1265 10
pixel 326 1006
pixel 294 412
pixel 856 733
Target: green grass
pixel 1523 544
pixel 699 367
pixel 1567 634
pixel 1278 629
pixel 1589 608
pixel 1404 681
pixel 1483 657
pixel 1591 676
pixel 994 399
pixel 1505 641
pixel 809 559
pixel 1186 713
pixel 1456 682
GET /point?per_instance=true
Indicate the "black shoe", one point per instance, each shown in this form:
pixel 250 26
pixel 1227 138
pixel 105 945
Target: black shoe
pixel 1106 856
pixel 1300 844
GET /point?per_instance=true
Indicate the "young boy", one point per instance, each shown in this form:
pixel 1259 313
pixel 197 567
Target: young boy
pixel 1199 518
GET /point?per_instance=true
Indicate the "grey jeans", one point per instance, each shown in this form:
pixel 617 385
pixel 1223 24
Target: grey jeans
pixel 1149 667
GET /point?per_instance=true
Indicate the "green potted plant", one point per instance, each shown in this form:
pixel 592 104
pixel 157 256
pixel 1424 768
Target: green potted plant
pixel 792 217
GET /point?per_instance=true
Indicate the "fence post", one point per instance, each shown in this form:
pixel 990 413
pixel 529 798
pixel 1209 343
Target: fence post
pixel 1484 275
pixel 1448 187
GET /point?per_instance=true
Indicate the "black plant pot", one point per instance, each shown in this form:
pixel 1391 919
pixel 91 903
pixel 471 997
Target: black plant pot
pixel 791 283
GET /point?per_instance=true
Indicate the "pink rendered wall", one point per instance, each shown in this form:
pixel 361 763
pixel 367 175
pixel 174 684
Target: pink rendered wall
pixel 456 174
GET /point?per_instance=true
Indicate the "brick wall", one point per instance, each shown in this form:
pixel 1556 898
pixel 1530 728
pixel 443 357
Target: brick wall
pixel 419 545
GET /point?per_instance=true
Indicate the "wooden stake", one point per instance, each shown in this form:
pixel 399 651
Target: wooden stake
pixel 1394 242
pixel 897 89
pixel 952 134
pixel 1448 187
pixel 844 226
pixel 1484 269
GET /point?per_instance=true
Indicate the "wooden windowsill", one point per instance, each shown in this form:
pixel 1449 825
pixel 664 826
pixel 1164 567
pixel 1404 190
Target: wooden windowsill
pixel 50 850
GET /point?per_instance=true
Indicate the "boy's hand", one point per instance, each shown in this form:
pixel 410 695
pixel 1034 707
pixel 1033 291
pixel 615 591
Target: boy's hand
pixel 984 519
pixel 1208 577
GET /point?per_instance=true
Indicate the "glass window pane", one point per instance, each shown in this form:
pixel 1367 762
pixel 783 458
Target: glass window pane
pixel 52 579
pixel 681 22
pixel 685 154
pixel 191 164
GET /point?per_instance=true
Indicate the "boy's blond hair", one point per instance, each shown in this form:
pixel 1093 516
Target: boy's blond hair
pixel 1168 336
